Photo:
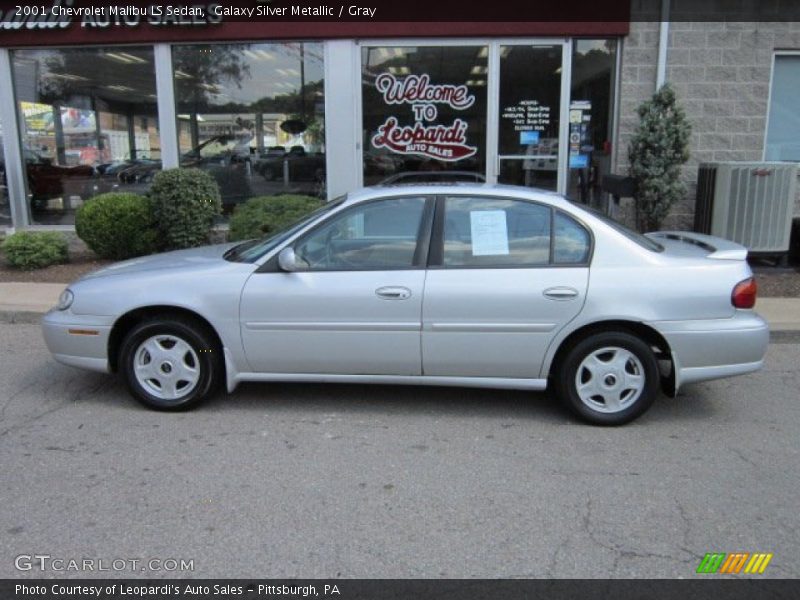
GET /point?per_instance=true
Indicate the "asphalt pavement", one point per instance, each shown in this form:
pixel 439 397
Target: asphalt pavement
pixel 292 480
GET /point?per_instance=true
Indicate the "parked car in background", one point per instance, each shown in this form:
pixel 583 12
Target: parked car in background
pixel 301 165
pixel 225 157
pixel 464 284
pixel 48 181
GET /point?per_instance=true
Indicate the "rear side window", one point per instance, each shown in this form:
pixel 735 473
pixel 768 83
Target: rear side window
pixel 495 232
pixel 572 242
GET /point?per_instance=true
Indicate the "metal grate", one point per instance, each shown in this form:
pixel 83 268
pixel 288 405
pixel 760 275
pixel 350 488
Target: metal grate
pixel 748 203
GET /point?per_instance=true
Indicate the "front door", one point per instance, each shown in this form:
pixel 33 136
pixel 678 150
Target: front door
pixel 355 306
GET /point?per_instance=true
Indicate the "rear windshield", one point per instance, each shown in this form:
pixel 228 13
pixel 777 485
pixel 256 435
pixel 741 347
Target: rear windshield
pixel 631 234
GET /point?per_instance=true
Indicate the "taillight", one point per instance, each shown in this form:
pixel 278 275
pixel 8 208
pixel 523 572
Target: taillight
pixel 744 294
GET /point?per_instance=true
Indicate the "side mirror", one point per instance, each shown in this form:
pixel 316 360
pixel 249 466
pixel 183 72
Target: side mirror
pixel 287 260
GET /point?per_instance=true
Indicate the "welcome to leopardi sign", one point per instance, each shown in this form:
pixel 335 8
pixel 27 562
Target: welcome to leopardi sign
pixel 441 142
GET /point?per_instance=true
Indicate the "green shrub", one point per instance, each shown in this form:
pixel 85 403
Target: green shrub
pixel 185 203
pixel 35 249
pixel 658 149
pixel 267 214
pixel 117 225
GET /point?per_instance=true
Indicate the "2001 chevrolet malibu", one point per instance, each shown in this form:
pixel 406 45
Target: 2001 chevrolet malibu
pixel 464 285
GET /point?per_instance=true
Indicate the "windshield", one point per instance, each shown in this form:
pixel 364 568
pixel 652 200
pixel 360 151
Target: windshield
pixel 629 233
pixel 252 250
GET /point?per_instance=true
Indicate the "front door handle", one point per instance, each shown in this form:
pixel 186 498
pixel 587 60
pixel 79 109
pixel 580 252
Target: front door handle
pixel 393 293
pixel 560 293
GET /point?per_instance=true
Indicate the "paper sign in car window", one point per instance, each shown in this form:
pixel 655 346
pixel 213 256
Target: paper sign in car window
pixel 489 232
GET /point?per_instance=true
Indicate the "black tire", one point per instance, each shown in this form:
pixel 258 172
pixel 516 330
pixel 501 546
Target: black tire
pixel 202 352
pixel 621 396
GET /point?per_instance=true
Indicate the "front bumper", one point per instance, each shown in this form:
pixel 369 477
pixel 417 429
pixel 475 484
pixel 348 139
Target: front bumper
pixel 715 348
pixel 78 340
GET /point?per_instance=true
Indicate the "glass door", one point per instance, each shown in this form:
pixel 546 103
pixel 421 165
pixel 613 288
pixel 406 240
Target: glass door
pixel 529 115
pixel 459 110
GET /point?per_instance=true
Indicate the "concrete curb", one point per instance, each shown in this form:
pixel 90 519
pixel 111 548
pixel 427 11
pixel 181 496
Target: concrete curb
pixel 786 336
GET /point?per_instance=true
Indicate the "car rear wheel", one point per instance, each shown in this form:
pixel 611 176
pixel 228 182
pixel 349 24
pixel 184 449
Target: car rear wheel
pixel 170 363
pixel 609 378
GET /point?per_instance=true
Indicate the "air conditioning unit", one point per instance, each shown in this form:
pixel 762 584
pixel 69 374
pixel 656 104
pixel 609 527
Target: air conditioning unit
pixel 750 203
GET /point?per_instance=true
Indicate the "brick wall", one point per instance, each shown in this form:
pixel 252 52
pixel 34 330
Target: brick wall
pixel 721 74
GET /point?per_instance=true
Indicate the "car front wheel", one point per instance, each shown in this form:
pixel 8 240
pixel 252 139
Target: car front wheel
pixel 609 378
pixel 170 363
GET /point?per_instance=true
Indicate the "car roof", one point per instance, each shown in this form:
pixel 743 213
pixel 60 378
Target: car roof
pixel 457 189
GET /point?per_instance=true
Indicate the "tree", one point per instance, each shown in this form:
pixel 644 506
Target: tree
pixel 659 147
pixel 202 71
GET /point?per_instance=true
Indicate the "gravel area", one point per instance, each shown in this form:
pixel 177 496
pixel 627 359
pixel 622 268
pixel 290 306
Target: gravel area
pixel 775 282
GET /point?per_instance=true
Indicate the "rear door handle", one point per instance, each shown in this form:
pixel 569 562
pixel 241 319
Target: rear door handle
pixel 560 293
pixel 393 293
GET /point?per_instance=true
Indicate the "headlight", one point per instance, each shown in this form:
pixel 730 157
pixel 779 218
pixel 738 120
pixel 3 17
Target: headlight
pixel 65 300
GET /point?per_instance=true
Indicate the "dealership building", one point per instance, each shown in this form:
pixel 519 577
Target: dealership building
pixel 317 104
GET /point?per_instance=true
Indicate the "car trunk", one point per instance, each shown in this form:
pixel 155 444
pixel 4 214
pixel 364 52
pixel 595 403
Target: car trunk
pixel 690 245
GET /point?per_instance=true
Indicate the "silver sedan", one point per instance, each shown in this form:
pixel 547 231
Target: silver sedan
pixel 458 285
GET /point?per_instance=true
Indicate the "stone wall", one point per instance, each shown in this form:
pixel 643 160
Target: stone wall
pixel 721 74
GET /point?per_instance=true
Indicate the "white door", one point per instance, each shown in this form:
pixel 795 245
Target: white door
pixel 355 307
pixel 505 277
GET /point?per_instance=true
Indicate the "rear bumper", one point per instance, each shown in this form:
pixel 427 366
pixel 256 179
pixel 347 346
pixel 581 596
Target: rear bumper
pixel 715 348
pixel 78 340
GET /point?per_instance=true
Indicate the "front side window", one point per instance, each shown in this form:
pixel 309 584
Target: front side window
pixel 373 236
pixel 783 130
pixel 494 232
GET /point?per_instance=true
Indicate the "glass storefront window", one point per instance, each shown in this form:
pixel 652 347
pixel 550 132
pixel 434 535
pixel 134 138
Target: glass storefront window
pixel 591 114
pixel 424 109
pixel 530 103
pixel 5 207
pixel 783 131
pixel 253 116
pixel 88 123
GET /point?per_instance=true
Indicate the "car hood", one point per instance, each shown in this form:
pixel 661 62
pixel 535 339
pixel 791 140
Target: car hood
pixel 180 259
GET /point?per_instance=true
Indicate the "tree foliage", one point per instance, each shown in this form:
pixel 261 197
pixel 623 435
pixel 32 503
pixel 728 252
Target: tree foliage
pixel 660 146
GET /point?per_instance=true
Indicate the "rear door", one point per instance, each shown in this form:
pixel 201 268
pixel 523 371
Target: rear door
pixel 505 275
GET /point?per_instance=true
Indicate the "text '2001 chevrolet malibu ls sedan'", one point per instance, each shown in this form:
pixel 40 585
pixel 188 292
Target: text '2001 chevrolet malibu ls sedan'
pixel 464 285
